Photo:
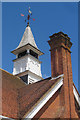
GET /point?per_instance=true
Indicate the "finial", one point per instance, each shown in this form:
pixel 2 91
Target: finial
pixel 28 16
pixel 27 24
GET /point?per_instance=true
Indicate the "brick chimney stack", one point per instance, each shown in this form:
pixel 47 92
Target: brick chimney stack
pixel 60 48
pixel 60 45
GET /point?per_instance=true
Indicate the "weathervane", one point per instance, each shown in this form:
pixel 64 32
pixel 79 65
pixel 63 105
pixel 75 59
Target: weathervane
pixel 28 16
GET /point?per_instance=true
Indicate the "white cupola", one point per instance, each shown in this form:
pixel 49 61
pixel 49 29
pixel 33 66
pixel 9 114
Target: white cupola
pixel 27 65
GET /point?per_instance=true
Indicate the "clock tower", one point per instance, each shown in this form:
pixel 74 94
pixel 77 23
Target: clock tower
pixel 27 65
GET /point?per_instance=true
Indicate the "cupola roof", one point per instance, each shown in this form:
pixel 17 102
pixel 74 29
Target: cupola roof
pixel 27 42
pixel 27 38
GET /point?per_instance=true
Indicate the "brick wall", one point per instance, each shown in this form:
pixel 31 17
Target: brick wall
pixel 60 45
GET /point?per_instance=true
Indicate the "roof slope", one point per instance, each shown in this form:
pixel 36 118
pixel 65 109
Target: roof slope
pixel 29 95
pixel 27 38
pixel 10 86
pixel 18 98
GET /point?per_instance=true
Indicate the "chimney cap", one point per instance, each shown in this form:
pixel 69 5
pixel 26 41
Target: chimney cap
pixel 60 39
pixel 59 34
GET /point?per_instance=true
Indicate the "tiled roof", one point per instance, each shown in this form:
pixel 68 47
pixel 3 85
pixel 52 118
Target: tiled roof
pixel 18 98
pixel 29 95
pixel 10 87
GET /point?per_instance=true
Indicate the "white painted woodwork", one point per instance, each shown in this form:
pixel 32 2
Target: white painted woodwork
pixel 35 110
pixel 28 62
pixel 5 118
pixel 76 95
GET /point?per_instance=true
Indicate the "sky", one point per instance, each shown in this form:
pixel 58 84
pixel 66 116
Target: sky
pixel 50 18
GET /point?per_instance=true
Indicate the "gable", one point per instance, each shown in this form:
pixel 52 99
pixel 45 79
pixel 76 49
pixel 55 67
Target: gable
pixel 52 108
pixel 42 101
pixel 20 100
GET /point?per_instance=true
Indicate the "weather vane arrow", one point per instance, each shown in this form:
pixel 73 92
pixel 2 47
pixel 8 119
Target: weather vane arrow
pixel 28 16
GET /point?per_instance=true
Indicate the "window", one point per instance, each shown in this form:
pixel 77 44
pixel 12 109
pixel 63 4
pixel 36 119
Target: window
pixel 22 54
pixel 34 54
pixel 25 78
pixel 31 53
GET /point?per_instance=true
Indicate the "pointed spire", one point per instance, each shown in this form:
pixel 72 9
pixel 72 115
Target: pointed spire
pixel 27 41
pixel 27 38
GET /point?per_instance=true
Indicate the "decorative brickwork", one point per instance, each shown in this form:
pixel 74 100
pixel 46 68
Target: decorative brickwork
pixel 61 64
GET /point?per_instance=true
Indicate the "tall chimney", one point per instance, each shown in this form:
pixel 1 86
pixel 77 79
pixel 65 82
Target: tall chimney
pixel 60 48
pixel 60 45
